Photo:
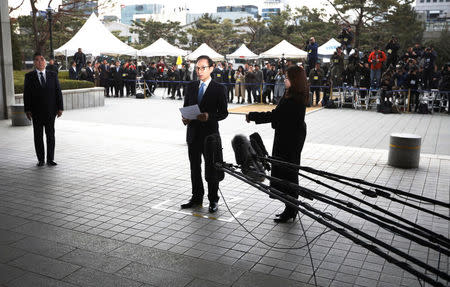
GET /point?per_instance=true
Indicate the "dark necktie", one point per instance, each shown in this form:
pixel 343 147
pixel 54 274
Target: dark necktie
pixel 42 79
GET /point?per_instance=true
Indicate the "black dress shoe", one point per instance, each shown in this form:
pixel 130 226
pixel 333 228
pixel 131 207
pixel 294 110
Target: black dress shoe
pixel 191 204
pixel 285 217
pixel 213 207
pixel 41 163
pixel 51 163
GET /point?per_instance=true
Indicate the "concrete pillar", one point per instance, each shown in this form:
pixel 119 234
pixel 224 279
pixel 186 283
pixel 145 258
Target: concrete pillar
pixel 6 64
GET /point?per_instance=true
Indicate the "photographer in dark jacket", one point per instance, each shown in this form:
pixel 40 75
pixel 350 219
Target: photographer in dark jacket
pixel 315 80
pixel 312 54
pixel 80 59
pixel 352 67
pixel 218 73
pixel 412 83
pixel 428 67
pixel 391 50
pixel 288 120
pixel 346 37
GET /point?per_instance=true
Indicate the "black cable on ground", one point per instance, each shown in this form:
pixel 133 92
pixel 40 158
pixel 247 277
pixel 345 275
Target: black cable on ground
pixel 259 240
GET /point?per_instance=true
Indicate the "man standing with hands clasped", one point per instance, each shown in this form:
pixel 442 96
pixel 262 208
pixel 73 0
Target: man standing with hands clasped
pixel 212 100
pixel 43 102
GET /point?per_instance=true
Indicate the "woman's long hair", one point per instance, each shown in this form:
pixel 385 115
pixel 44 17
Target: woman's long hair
pixel 299 85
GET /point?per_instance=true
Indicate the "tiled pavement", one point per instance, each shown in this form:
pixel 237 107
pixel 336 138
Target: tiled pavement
pixel 108 214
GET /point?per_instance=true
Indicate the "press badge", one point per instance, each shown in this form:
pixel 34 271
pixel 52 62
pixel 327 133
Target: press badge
pixel 316 77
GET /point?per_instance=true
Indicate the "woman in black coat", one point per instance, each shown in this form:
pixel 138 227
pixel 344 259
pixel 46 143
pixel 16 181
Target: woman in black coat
pixel 288 120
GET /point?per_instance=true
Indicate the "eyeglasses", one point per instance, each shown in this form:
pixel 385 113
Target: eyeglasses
pixel 202 68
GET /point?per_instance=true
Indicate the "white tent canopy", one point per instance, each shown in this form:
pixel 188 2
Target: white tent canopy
pixel 284 49
pixel 161 48
pixel 93 38
pixel 329 47
pixel 204 50
pixel 242 53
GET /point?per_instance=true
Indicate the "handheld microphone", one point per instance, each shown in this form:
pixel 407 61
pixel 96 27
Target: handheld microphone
pixel 213 158
pixel 246 157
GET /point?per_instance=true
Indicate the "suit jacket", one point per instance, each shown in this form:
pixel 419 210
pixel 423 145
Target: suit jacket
pixel 214 102
pixel 90 74
pixel 288 120
pixel 42 102
pixel 117 75
pixel 73 74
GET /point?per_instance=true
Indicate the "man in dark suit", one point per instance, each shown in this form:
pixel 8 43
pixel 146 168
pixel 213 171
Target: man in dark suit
pixel 90 72
pixel 104 77
pixel 212 101
pixel 52 66
pixel 117 77
pixel 43 102
pixel 73 74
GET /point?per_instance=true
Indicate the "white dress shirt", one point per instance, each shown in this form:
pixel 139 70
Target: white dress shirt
pixel 39 75
pixel 206 84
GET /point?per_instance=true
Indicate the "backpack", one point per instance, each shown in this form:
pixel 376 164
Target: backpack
pixel 423 108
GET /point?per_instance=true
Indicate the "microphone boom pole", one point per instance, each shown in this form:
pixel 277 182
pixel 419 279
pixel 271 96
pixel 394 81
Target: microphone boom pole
pixel 308 210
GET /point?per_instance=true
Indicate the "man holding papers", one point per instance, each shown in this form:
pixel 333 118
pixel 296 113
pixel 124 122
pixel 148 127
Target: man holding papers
pixel 212 102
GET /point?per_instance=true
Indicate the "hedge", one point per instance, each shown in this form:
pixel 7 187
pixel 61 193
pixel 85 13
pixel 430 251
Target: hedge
pixel 63 76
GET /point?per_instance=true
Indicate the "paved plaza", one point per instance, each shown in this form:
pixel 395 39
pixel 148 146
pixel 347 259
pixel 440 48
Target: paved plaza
pixel 109 215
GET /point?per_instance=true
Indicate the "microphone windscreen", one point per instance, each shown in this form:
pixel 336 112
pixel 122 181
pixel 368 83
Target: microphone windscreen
pixel 256 139
pixel 241 148
pixel 246 157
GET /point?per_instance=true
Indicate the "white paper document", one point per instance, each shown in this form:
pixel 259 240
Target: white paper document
pixel 190 112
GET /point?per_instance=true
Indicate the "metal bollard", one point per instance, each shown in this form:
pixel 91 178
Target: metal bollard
pixel 404 150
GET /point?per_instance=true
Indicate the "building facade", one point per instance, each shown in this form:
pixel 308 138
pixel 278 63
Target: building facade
pixel 272 7
pixel 436 16
pixel 129 13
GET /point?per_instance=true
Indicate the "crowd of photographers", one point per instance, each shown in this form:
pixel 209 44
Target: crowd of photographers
pixel 384 68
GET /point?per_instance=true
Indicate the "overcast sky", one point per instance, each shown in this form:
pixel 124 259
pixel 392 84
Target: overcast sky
pixel 195 6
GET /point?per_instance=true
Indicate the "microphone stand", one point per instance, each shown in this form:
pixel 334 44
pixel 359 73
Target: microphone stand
pixel 323 218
